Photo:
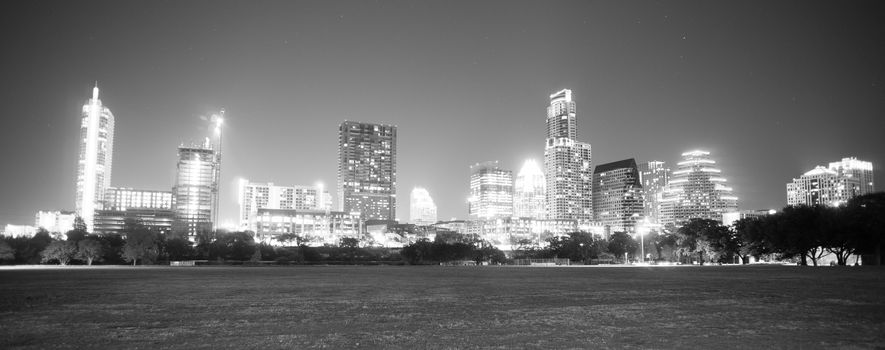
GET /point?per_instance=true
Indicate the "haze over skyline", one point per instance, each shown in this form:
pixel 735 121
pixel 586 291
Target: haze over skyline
pixel 771 89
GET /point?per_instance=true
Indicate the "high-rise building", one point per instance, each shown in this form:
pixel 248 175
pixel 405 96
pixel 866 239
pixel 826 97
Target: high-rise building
pixel 196 188
pixel 96 155
pixel 255 196
pixel 832 186
pixel 491 191
pixel 696 189
pixel 859 174
pixel 150 208
pixel 422 210
pixel 529 192
pixel 567 163
pixel 654 176
pixel 617 195
pixel 367 170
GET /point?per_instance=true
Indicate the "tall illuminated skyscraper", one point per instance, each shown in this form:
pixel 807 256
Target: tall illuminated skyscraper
pixel 617 195
pixel 367 170
pixel 422 210
pixel 96 153
pixel 195 190
pixel 654 176
pixel 491 191
pixel 697 189
pixel 529 191
pixel 567 163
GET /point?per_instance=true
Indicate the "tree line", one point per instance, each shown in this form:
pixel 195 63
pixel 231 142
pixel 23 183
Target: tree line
pixel 451 246
pixel 799 233
pixel 139 245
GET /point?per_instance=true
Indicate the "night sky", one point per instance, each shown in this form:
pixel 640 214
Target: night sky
pixel 771 88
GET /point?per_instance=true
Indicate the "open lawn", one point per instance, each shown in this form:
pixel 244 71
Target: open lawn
pixel 442 307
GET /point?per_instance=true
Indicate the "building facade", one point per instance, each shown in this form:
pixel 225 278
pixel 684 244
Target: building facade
pixel 617 195
pixel 96 152
pixel 859 174
pixel 151 208
pixel 313 227
pixel 728 219
pixel 367 170
pixel 529 192
pixel 195 190
pixel 833 185
pixel 121 198
pixel 491 191
pixel 654 177
pixel 55 221
pixel 567 163
pixel 422 210
pixel 254 196
pixel 697 189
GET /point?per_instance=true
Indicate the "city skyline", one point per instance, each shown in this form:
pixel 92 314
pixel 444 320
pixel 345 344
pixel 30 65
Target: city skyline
pixel 686 84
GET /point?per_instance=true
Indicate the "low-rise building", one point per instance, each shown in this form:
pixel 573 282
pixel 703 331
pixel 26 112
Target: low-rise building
pixel 314 227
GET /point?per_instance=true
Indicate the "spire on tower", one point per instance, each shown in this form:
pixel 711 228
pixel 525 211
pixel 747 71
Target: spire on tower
pixel 95 91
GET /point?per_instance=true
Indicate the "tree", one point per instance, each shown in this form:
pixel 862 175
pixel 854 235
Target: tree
pixel 868 212
pixel 350 247
pixel 178 248
pixel 485 251
pixel 621 243
pixel 720 243
pixel 690 238
pixel 840 233
pixel 289 238
pixel 418 252
pixel 90 250
pixel 798 233
pixel 37 244
pixel 112 248
pixel 7 253
pixel 61 251
pixel 76 235
pixel 752 233
pixel 79 224
pixel 238 245
pixel 141 243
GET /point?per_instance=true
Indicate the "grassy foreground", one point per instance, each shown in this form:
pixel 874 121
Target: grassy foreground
pixel 442 307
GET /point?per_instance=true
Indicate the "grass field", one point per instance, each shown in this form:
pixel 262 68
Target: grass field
pixel 442 307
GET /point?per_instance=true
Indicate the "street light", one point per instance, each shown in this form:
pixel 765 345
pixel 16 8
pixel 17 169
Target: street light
pixel 641 229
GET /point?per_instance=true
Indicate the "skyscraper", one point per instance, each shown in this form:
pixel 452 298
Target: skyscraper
pixel 255 196
pixel 195 189
pixel 567 163
pixel 696 190
pixel 654 176
pixel 858 172
pixel 96 153
pixel 422 210
pixel 529 192
pixel 491 191
pixel 617 195
pixel 833 185
pixel 367 170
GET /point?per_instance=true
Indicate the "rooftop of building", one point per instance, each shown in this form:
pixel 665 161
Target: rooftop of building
pixel 629 163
